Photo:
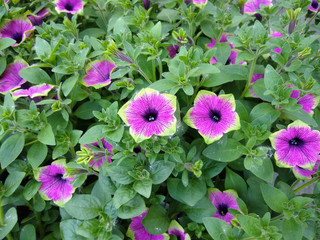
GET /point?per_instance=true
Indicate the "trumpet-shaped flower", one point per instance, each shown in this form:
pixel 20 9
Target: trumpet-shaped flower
pixel 100 157
pixel 150 113
pixel 34 91
pixel 251 6
pixel 17 29
pixel 297 145
pixel 200 3
pixel 69 6
pixel 213 115
pixel 10 78
pixel 137 231
pixel 308 101
pixel 146 4
pixel 178 231
pixel 36 20
pixel 54 186
pixel 223 201
pixel 314 6
pixel 173 49
pixel 303 174
pixel 98 74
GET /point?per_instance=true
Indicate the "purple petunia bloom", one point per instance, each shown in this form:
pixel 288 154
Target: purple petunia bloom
pixel 308 101
pixel 69 6
pixel 10 78
pixel 213 115
pixel 36 20
pixel 100 157
pixel 223 201
pixel 98 74
pixel 297 145
pixel 200 3
pixel 54 186
pixel 173 50
pixel 252 5
pixel 314 6
pixel 137 231
pixel 176 229
pixel 17 29
pixel 146 4
pixel 150 113
pixel 278 50
pixel 33 92
pixel 303 174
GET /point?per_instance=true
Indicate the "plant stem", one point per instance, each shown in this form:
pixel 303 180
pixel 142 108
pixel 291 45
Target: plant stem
pixel 295 183
pixel 306 184
pixel 144 75
pixel 160 67
pixel 154 70
pixel 29 143
pixel 248 84
pixel 277 217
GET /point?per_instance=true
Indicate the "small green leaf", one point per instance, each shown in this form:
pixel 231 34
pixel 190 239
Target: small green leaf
pixel 123 195
pixel 235 182
pixel 12 182
pixel 37 154
pixel 217 228
pixel 94 134
pixel 132 208
pixel 30 189
pixel 10 149
pixel 263 113
pixel 271 78
pixel 10 219
pixel 160 171
pixel 156 221
pixel 46 135
pixel 35 75
pixel 274 198
pixel 143 187
pixel 250 225
pixel 291 230
pixel 28 232
pixel 203 208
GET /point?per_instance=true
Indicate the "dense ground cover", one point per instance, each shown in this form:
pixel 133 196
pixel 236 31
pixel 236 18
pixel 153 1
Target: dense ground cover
pixel 161 119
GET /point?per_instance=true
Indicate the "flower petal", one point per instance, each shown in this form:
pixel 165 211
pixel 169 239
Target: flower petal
pixel 69 6
pixel 98 75
pixel 17 29
pixel 10 78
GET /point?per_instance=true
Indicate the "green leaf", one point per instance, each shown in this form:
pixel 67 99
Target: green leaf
pixel 123 195
pixel 300 202
pixel 35 75
pixel 203 208
pixel 227 151
pixel 204 68
pixel 6 42
pixel 223 52
pixel 30 189
pixel 89 229
pixel 217 228
pixel 46 135
pixel 12 182
pixel 3 64
pixel 291 230
pixel 264 171
pixel 10 149
pixel 120 174
pixel 42 47
pixel 259 32
pixel 271 78
pixel 60 150
pixel 235 182
pixel 68 84
pixel 168 15
pixel 300 115
pixel 68 230
pixel 37 154
pixel 85 111
pixel 163 85
pixel 259 89
pixel 131 209
pixel 156 31
pixel 209 29
pixel 156 221
pixel 274 198
pixel 83 206
pixel 28 232
pixel 143 187
pixel 189 195
pixel 94 134
pixel 115 135
pixel 160 171
pixel 250 225
pixel 10 219
pixel 263 113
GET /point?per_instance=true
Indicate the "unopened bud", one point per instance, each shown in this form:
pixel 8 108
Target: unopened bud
pixel 309 84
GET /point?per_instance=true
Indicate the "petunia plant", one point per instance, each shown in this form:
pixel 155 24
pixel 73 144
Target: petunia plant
pixel 159 120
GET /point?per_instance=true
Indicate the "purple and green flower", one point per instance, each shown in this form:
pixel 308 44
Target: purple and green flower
pixel 99 157
pixel 200 3
pixel 213 115
pixel 308 101
pixel 304 174
pixel 98 74
pixel 177 230
pixel 297 145
pixel 10 78
pixel 222 202
pixel 150 113
pixel 173 49
pixel 18 29
pixel 314 6
pixel 33 92
pixel 69 6
pixel 251 6
pixel 36 19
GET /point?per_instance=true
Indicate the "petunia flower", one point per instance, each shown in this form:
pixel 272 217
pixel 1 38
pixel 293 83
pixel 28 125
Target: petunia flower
pixel 213 115
pixel 176 229
pixel 146 4
pixel 10 78
pixel 137 231
pixel 98 74
pixel 69 6
pixel 150 113
pixel 54 186
pixel 308 101
pixel 251 6
pixel 255 77
pixel 99 157
pixel 17 29
pixel 33 92
pixel 314 6
pixel 297 145
pixel 304 174
pixel 36 20
pixel 222 202
pixel 200 3
pixel 173 49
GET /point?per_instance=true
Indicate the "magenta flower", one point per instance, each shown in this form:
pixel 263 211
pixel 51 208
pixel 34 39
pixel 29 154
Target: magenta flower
pixel 150 113
pixel 223 201
pixel 99 157
pixel 297 145
pixel 278 50
pixel 54 186
pixel 213 115
pixel 17 29
pixel 173 49
pixel 10 78
pixel 176 229
pixel 146 4
pixel 36 20
pixel 69 6
pixel 34 91
pixel 314 6
pixel 303 174
pixel 137 231
pixel 251 6
pixel 255 77
pixel 308 101
pixel 98 74
pixel 200 3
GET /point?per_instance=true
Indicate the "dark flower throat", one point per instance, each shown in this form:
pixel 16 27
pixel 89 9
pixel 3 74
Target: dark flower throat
pixel 68 6
pixel 151 115
pixel 215 116
pixel 17 36
pixel 223 209
pixel 296 142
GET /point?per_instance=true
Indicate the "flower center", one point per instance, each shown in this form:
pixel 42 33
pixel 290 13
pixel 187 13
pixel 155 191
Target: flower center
pixel 223 209
pixel 296 142
pixel 314 4
pixel 17 36
pixel 229 61
pixel 215 115
pixel 258 17
pixel 68 6
pixel 59 176
pixel 151 115
pixel 137 149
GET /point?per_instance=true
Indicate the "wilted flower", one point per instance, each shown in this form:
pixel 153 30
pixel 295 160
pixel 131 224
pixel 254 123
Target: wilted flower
pixel 150 113
pixel 223 201
pixel 17 29
pixel 297 145
pixel 173 49
pixel 36 20
pixel 10 78
pixel 137 231
pixel 69 6
pixel 303 174
pixel 200 3
pixel 176 229
pixel 34 91
pixel 98 74
pixel 99 157
pixel 54 186
pixel 213 115
pixel 314 6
